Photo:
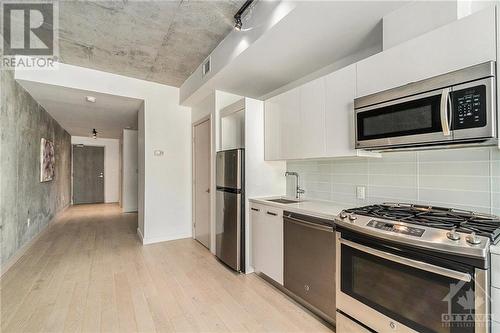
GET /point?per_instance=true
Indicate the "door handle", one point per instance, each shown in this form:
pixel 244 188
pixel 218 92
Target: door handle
pixel 445 123
pixel 208 190
pixel 101 175
pixel 409 262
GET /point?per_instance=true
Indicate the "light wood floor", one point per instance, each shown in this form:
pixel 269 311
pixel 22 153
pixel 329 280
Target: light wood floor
pixel 89 273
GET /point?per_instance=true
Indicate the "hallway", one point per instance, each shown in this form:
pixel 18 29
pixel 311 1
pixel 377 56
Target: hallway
pixel 89 273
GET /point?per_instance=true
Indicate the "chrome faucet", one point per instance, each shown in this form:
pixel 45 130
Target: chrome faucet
pixel 298 190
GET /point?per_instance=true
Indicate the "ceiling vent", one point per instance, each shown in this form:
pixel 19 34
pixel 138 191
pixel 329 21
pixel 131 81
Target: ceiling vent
pixel 206 67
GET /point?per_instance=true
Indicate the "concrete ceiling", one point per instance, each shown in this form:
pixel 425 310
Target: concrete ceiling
pixel 161 41
pixel 109 115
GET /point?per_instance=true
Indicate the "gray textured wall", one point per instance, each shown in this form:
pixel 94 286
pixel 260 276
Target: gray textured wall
pixel 22 124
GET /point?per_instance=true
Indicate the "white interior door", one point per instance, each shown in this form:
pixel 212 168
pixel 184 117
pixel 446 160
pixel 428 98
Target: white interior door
pixel 202 182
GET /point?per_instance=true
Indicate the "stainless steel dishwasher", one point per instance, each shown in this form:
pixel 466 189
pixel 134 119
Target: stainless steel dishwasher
pixel 309 265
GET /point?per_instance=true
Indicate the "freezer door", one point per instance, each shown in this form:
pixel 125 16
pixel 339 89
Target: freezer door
pixel 229 168
pixel 228 228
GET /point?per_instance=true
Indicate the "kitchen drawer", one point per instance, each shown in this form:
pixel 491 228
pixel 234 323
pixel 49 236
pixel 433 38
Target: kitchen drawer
pixel 495 270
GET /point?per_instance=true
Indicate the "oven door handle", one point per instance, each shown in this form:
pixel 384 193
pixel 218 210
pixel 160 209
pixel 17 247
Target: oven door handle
pixel 410 262
pixel 445 122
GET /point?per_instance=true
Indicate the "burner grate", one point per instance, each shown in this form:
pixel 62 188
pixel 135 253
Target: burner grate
pixel 436 217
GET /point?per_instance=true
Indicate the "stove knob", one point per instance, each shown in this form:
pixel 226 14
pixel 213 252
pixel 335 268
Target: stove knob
pixel 453 234
pixel 343 215
pixel 473 239
pixel 352 218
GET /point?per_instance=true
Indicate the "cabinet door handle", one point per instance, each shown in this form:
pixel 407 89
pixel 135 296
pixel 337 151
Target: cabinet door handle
pixel 255 209
pixel 271 213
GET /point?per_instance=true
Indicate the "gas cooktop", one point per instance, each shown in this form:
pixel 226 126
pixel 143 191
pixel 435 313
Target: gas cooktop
pixel 436 217
pixel 447 229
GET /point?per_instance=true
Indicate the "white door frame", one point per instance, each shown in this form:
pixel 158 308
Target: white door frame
pixel 193 176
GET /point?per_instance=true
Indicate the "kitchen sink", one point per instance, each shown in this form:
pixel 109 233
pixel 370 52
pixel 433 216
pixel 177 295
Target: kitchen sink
pixel 283 201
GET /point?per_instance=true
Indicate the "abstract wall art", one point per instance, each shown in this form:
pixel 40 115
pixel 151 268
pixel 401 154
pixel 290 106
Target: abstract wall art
pixel 47 160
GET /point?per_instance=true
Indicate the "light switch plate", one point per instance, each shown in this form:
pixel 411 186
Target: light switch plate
pixel 361 192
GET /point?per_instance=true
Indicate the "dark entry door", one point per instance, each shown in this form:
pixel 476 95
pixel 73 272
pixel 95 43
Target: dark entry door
pixel 88 174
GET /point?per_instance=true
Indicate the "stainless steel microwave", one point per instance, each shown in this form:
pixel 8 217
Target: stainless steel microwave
pixel 450 109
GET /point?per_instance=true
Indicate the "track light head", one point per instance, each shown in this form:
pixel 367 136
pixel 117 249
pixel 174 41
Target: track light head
pixel 238 24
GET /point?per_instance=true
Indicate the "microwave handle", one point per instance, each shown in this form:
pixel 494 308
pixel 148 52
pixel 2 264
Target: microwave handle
pixel 445 122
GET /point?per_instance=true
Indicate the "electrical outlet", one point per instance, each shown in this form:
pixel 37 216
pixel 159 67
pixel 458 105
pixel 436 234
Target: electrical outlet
pixel 361 192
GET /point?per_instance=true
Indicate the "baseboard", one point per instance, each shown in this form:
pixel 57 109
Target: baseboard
pixel 152 240
pixel 23 249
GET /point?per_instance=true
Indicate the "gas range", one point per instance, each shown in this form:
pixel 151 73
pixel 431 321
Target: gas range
pixel 436 257
pixel 440 229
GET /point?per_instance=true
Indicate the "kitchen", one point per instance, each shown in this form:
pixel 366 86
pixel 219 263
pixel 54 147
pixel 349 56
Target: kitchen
pixel 292 166
pixel 372 199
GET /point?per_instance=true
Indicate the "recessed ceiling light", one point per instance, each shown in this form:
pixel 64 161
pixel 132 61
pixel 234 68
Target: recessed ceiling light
pixel 90 99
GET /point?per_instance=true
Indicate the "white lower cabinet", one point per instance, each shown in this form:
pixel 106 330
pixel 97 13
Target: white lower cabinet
pixel 267 240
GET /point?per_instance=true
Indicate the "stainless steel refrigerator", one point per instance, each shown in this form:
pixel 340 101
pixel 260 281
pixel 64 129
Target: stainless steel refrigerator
pixel 230 212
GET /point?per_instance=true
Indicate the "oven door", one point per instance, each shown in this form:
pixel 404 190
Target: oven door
pixel 390 292
pixel 419 119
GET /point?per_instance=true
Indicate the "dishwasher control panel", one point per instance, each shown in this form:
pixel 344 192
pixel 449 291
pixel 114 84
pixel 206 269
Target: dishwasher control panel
pixel 397 228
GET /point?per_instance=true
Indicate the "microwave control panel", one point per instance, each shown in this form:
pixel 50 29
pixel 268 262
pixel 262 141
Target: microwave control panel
pixel 398 228
pixel 469 107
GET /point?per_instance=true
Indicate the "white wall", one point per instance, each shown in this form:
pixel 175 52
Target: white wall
pixel 163 125
pixel 233 130
pixel 130 170
pixel 111 164
pixel 419 17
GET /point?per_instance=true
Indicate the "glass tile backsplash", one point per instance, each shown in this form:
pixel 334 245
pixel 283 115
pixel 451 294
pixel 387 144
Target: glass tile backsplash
pixel 467 178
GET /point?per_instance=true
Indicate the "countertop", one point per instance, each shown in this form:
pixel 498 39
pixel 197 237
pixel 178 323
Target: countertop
pixel 318 208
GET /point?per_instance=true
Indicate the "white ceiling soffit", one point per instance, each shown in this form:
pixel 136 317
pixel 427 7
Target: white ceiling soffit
pixel 109 115
pixel 313 35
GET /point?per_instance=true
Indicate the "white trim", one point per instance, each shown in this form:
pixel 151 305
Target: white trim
pixel 24 249
pixel 139 233
pixel 166 238
pixel 193 177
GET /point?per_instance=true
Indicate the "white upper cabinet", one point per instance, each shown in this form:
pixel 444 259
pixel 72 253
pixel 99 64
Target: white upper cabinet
pixel 312 119
pixel 272 129
pixel 340 88
pixel 460 44
pixel 289 110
